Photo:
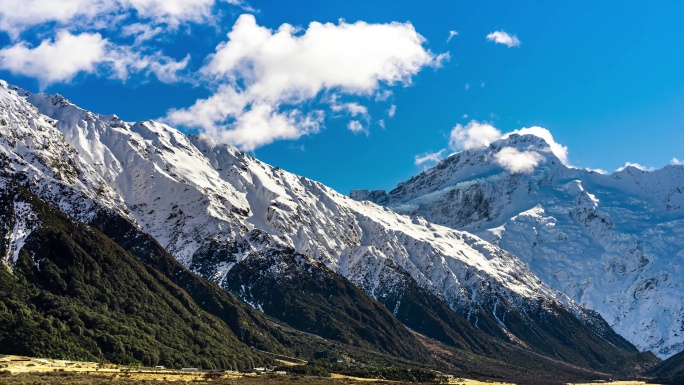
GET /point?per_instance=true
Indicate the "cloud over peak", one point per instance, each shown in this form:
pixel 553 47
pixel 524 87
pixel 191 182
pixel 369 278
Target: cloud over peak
pixel 474 134
pixel 286 67
pixel 481 134
pixel 559 150
pixel 517 161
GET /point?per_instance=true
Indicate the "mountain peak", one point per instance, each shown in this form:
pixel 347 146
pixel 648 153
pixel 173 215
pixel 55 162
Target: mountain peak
pixel 515 139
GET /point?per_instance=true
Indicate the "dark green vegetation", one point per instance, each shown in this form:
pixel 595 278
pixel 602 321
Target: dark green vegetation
pixel 76 294
pixel 312 298
pixel 553 332
pixel 249 325
pixel 670 371
pixel 109 292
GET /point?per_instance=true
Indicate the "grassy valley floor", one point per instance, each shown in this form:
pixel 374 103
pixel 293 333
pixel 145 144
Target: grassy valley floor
pixel 17 370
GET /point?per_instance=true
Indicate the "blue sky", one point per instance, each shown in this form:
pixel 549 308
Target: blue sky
pixel 604 78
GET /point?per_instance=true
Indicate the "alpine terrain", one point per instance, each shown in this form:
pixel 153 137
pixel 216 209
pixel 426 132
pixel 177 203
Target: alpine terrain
pixel 612 243
pixel 200 215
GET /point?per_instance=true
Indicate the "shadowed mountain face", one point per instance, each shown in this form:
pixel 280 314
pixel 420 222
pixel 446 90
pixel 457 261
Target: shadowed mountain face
pixel 670 371
pixel 290 247
pixel 612 243
pixel 74 293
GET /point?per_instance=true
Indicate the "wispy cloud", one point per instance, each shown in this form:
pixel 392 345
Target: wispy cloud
pixel 355 126
pixel 392 110
pixel 452 34
pixel 429 158
pixel 676 162
pixel 354 109
pixel 635 165
pixel 16 16
pixel 501 37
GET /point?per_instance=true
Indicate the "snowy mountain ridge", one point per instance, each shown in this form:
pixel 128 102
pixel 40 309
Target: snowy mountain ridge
pixel 611 242
pixel 215 208
pixel 205 188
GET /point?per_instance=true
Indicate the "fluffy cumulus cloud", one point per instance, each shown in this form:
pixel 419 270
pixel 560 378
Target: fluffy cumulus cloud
pixel 61 59
pixel 559 150
pixel 76 53
pixel 676 162
pixel 279 70
pixel 474 134
pixel 501 37
pixel 69 38
pixel 522 158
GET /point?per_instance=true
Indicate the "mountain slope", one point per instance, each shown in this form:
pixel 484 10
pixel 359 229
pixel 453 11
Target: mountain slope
pixel 71 292
pixel 610 242
pixel 27 138
pixel 670 370
pixel 277 240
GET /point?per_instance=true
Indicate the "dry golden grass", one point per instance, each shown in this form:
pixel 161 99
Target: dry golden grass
pixel 463 381
pixel 617 383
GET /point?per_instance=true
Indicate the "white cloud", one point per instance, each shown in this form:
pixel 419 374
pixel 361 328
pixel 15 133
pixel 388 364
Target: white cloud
pixel 676 162
pixel 355 126
pixel 61 59
pixel 353 57
pixel 262 123
pixel 392 110
pixel 286 67
pixel 19 15
pixel 58 61
pixel 474 134
pixel 354 109
pixel 141 32
pixel 517 161
pixel 451 35
pixel 171 11
pixel 597 170
pixel 383 95
pixel 635 165
pixel 501 37
pixel 559 150
pixel 430 157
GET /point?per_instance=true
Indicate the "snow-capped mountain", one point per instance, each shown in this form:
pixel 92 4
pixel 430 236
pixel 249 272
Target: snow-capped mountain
pixel 614 243
pixel 222 213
